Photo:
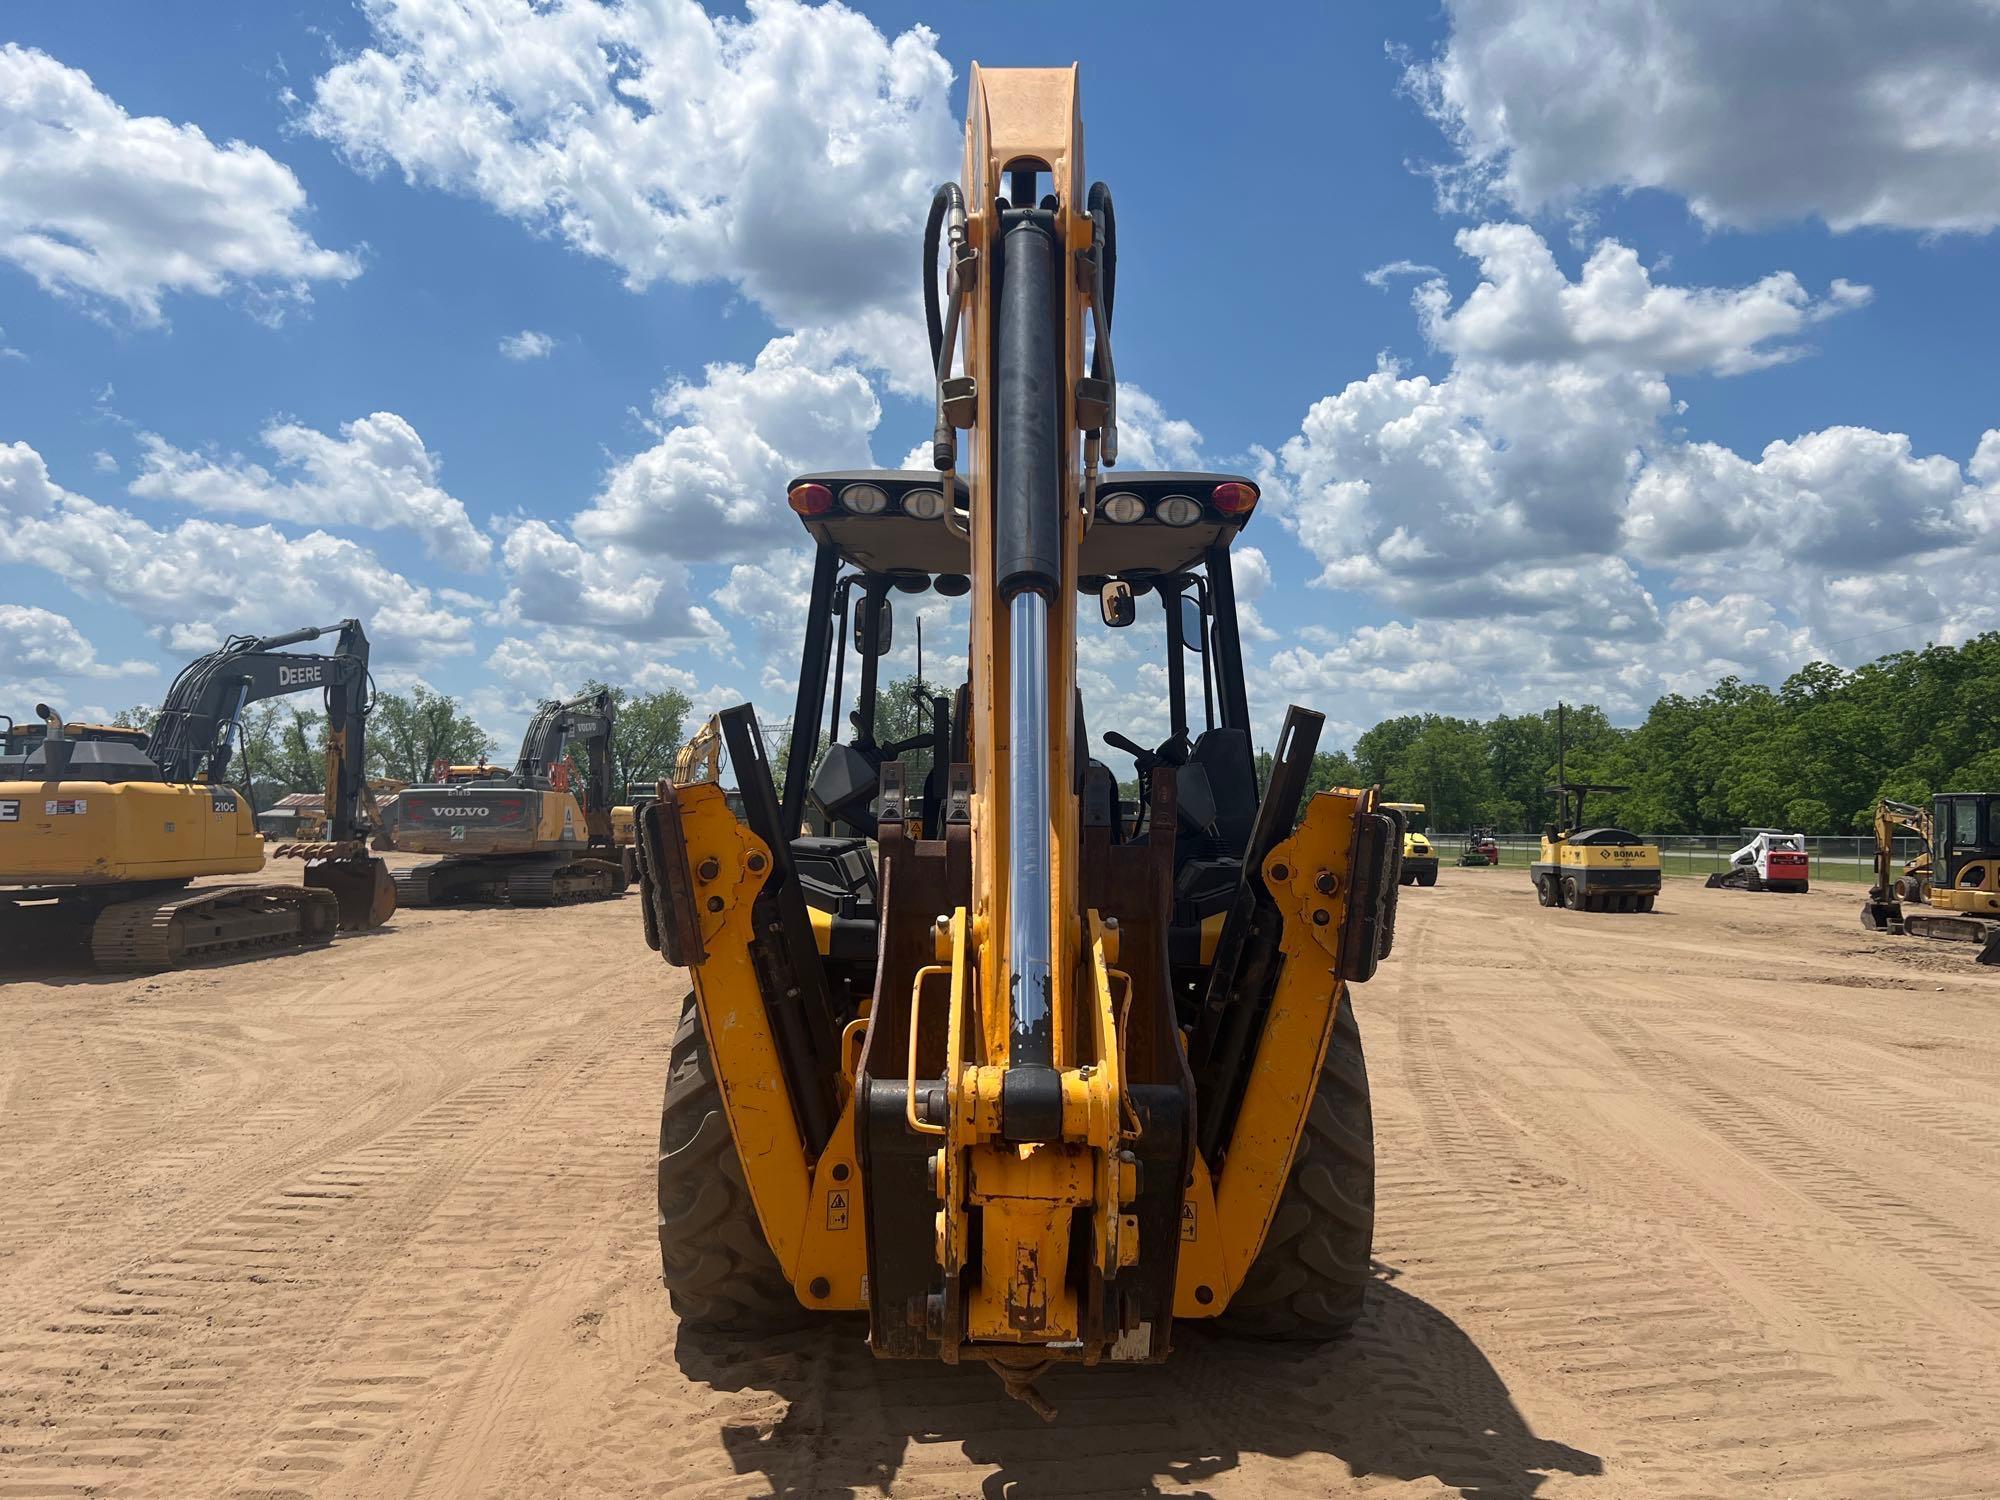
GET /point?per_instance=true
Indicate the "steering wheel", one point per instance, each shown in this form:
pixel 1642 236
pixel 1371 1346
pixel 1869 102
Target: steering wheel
pixel 1174 750
pixel 1143 759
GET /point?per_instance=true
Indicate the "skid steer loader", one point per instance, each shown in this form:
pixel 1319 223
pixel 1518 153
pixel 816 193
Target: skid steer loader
pixel 1022 1075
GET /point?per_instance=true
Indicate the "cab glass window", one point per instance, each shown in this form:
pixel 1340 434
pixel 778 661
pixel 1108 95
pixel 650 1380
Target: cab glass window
pixel 1964 821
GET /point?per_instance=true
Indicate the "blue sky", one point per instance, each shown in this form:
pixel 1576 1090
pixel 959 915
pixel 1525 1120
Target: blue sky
pixel 257 266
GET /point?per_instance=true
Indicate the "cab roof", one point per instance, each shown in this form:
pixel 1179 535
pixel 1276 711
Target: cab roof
pixel 894 542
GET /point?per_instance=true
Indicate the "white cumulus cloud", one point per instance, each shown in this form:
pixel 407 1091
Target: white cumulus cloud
pixel 376 473
pixel 526 345
pixel 713 486
pixel 39 643
pixel 195 583
pixel 1882 114
pixel 110 208
pixel 790 152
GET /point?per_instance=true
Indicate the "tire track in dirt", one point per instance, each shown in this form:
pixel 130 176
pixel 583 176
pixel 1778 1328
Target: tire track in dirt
pixel 1652 1221
pixel 99 1199
pixel 1683 1365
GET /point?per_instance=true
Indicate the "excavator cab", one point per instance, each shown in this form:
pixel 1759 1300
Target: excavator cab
pixel 1024 1068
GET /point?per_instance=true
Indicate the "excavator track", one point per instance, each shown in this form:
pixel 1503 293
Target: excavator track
pixel 564 882
pixel 517 882
pixel 158 933
pixel 416 885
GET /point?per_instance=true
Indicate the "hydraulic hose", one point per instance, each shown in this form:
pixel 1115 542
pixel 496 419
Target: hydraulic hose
pixel 945 200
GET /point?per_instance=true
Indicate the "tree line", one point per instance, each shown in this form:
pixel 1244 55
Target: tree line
pixel 1811 755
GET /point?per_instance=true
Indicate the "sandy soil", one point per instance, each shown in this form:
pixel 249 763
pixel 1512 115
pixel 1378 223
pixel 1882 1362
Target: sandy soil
pixel 1702 1203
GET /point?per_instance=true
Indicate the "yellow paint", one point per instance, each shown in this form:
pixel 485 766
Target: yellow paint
pixel 834 1236
pixel 740 1042
pixel 95 832
pixel 1289 1053
pixel 1211 934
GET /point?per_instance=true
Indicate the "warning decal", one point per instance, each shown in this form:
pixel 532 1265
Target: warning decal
pixel 836 1208
pixel 1187 1221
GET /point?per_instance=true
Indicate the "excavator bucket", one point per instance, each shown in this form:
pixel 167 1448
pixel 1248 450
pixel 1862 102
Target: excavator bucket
pixel 361 885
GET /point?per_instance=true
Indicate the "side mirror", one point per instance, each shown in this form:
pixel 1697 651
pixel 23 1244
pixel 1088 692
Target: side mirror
pixel 1193 636
pixel 1116 604
pixel 874 625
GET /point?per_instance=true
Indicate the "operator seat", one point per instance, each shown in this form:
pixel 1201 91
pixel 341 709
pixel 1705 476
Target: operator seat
pixel 845 785
pixel 1218 798
pixel 1224 757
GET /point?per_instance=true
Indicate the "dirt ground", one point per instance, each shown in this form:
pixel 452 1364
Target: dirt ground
pixel 1697 1203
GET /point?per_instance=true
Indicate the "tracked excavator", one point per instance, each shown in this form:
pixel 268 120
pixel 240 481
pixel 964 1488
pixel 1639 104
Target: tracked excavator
pixel 102 829
pixel 1022 1076
pixel 520 836
pixel 1951 890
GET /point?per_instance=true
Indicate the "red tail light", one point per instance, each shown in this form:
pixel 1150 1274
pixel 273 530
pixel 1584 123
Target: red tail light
pixel 1233 499
pixel 810 499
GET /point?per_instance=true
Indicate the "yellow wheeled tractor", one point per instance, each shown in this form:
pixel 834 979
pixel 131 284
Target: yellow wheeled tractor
pixel 1023 1077
pixel 102 829
pixel 1952 889
pixel 517 836
pixel 1593 869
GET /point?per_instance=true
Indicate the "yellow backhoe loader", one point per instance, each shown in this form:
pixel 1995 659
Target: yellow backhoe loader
pixel 102 829
pixel 1023 1076
pixel 518 836
pixel 1950 890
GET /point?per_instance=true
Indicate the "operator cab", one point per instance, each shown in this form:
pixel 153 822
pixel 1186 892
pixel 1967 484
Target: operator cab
pixel 1965 841
pixel 1156 558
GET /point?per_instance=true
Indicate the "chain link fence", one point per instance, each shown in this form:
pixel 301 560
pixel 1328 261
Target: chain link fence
pixel 1834 857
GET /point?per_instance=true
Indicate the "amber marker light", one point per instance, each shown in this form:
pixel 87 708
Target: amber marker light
pixel 1233 498
pixel 810 499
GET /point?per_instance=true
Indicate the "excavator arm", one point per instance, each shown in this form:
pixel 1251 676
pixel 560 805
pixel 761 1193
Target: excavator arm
pixel 589 722
pixel 1883 909
pixel 195 733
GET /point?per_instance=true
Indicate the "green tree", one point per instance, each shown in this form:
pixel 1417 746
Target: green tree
pixel 646 735
pixel 409 733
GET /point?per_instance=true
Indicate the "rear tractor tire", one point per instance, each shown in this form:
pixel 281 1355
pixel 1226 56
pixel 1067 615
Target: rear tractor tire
pixel 1310 1278
pixel 1572 898
pixel 1428 877
pixel 1545 890
pixel 718 1267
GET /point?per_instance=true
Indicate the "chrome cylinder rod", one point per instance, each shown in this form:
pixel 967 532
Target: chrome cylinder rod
pixel 1029 869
